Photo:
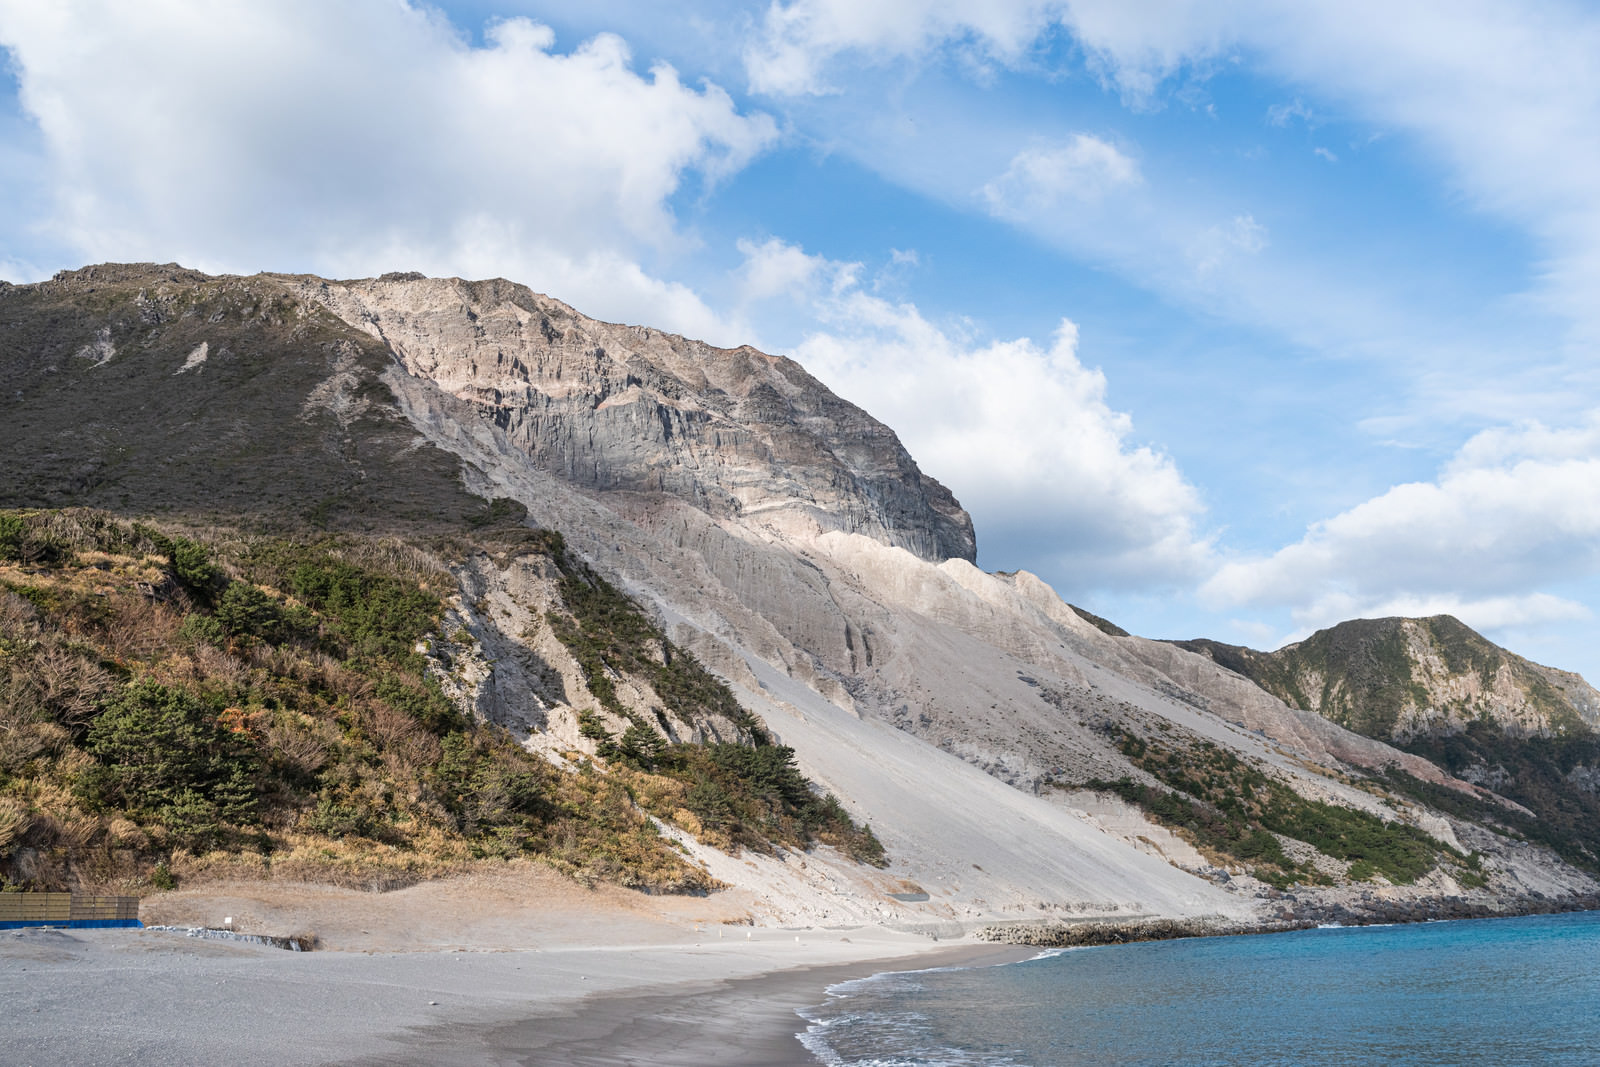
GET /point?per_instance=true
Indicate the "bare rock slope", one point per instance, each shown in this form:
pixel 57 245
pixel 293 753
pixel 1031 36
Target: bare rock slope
pixel 734 431
pixel 842 618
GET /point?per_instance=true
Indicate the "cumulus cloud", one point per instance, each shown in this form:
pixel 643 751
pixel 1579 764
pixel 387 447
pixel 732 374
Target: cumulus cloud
pixel 1020 431
pixel 775 268
pixel 299 134
pixel 1515 512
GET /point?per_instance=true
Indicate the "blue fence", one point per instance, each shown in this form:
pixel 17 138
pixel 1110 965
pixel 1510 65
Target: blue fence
pixel 74 924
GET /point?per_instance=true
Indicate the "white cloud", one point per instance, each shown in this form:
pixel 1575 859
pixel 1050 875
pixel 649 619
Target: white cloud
pixel 295 134
pixel 1325 154
pixel 1534 441
pixel 1504 101
pixel 1088 194
pixel 1283 114
pixel 1515 512
pixel 1219 246
pixel 776 268
pixel 797 39
pixel 1043 179
pixel 1133 47
pixel 1480 613
pixel 1020 431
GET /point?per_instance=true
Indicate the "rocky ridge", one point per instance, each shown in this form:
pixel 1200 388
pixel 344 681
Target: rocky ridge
pixel 736 432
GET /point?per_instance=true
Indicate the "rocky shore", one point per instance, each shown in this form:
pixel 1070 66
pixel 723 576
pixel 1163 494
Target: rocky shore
pixel 1293 915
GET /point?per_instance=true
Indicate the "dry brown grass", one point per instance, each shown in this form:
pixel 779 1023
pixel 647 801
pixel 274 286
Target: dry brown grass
pixel 140 630
pixel 301 741
pixel 14 821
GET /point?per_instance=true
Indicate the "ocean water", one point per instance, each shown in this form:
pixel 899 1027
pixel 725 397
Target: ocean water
pixel 1487 991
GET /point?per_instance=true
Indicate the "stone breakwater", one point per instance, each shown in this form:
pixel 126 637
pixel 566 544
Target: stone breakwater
pixel 206 933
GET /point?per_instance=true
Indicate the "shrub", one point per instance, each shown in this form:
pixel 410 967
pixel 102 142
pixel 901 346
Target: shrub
pixel 202 629
pixel 161 877
pixel 606 632
pixel 425 703
pixel 640 747
pixel 374 616
pixel 341 818
pixel 24 542
pixel 246 612
pixel 161 752
pixel 489 790
pixel 12 532
pixel 590 726
pixel 1230 806
pixel 192 567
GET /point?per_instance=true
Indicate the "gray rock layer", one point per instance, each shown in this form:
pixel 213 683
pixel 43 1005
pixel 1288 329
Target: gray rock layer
pixel 608 407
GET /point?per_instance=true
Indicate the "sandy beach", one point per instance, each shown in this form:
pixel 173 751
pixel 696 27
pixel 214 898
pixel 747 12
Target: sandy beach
pixel 476 971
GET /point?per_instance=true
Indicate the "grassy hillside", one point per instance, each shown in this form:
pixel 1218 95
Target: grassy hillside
pixel 177 702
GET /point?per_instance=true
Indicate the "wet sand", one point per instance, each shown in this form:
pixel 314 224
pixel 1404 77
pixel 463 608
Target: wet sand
pixel 739 1022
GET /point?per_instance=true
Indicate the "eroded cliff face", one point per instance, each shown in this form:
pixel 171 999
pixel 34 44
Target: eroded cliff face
pixel 736 432
pixel 787 540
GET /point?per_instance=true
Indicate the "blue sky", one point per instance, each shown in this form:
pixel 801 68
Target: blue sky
pixel 1232 320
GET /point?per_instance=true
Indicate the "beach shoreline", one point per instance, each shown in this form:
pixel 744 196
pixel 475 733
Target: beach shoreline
pixel 746 1021
pixel 524 966
pixel 518 967
pixel 159 996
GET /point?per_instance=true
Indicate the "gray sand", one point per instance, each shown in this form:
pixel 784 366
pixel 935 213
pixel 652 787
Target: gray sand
pixel 84 997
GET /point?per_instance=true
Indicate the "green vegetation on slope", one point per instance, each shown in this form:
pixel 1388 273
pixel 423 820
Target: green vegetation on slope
pixel 171 705
pixel 1363 673
pixel 1231 809
pixel 1105 626
pixel 1543 774
pixel 608 635
pixel 287 420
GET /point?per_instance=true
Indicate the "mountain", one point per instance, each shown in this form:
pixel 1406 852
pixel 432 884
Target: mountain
pixel 1397 679
pixel 689 580
pixel 1436 688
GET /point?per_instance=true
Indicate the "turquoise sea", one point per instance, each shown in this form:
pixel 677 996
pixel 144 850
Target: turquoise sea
pixel 1494 992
